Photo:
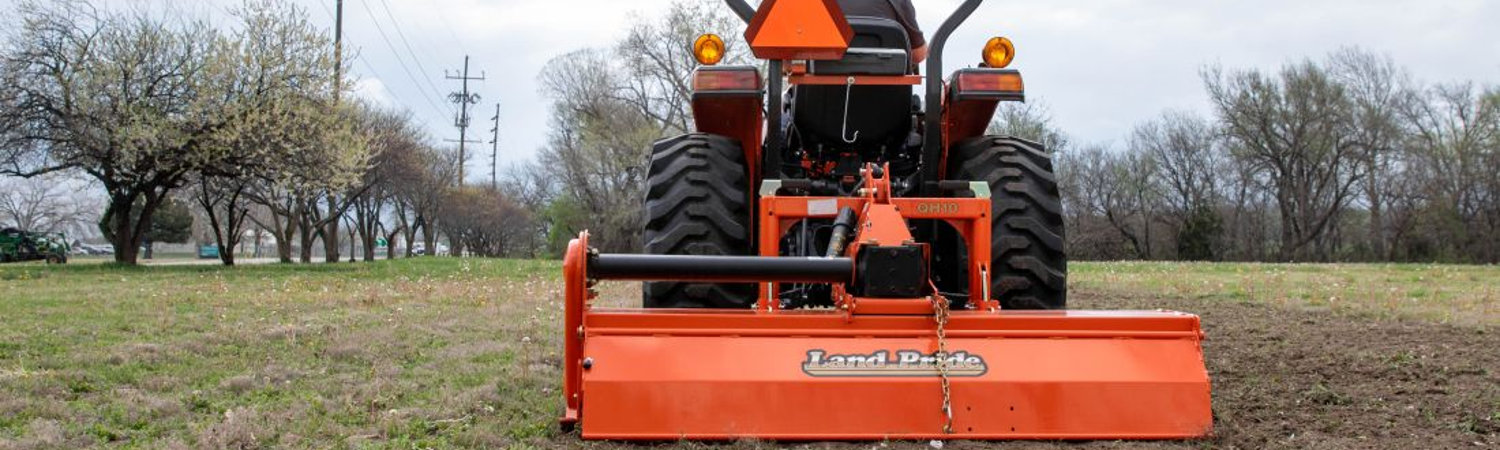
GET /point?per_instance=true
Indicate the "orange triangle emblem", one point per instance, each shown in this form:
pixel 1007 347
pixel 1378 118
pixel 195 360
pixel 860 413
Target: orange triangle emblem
pixel 799 29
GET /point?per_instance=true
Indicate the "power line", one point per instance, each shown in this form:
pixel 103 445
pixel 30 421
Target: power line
pixel 401 34
pixel 376 73
pixel 326 10
pixel 449 27
pixel 396 53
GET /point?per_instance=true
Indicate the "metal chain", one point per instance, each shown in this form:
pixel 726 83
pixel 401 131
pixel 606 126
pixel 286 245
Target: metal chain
pixel 940 313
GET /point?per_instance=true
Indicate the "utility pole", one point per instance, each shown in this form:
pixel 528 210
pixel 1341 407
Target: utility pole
pixel 338 50
pixel 495 148
pixel 331 231
pixel 463 98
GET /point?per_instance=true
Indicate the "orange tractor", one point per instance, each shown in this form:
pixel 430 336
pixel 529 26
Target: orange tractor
pixel 839 259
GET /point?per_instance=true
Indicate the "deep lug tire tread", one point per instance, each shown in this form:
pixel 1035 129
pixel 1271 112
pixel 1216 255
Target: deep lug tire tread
pixel 697 203
pixel 1029 264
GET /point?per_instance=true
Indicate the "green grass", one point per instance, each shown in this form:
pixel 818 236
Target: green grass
pixel 439 352
pixel 1432 292
pixel 408 353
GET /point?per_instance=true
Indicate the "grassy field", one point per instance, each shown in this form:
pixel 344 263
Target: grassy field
pixel 434 353
pixel 1468 295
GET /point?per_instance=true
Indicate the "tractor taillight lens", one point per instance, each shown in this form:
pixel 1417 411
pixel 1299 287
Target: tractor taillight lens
pixel 726 79
pixel 984 83
pixel 990 81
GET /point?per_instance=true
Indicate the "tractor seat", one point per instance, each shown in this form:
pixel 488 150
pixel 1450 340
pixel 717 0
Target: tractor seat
pixel 881 114
pixel 880 47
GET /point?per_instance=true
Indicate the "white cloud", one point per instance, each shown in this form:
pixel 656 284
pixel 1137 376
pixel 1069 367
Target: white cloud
pixel 373 90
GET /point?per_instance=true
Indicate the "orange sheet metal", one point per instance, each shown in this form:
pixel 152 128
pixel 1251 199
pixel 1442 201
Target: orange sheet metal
pixel 799 29
pixel 822 375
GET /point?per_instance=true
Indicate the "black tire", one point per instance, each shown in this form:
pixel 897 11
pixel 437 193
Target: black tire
pixel 697 203
pixel 1030 267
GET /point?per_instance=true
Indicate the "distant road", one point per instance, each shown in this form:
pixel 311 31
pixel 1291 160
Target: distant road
pixel 237 261
pixel 187 261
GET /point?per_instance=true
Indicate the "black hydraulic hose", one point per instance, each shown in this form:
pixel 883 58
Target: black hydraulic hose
pixel 841 228
pixel 788 269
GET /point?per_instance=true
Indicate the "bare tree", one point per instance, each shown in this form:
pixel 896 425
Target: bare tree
pixel 1117 189
pixel 597 150
pixel 484 221
pixel 1377 90
pixel 47 203
pixel 532 189
pixel 223 202
pixel 1249 210
pixel 425 181
pixel 1455 147
pixel 1294 126
pixel 395 146
pixel 657 74
pixel 1186 158
pixel 1032 121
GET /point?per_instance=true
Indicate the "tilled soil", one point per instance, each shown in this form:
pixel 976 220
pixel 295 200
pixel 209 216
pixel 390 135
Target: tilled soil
pixel 1292 378
pixel 1310 379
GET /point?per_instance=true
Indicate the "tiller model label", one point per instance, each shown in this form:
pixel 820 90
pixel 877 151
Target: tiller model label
pixel 885 363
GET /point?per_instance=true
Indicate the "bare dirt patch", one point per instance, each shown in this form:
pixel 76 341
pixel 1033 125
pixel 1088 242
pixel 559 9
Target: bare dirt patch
pixel 1288 377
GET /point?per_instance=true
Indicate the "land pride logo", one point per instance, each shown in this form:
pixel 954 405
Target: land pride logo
pixel 885 363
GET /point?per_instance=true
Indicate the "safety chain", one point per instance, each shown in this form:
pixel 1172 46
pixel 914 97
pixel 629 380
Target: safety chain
pixel 940 313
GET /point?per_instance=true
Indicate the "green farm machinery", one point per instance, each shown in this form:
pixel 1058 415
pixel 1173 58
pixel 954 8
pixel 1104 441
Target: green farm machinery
pixel 18 245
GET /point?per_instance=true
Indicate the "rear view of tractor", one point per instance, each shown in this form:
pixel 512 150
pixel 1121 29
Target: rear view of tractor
pixel 833 257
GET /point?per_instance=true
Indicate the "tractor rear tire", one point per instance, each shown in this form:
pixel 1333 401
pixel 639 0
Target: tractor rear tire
pixel 1028 263
pixel 697 203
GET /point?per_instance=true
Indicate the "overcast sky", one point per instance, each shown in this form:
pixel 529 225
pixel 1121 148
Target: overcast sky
pixel 1101 66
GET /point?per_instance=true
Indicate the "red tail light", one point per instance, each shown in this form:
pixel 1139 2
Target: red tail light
pixel 1003 84
pixel 726 79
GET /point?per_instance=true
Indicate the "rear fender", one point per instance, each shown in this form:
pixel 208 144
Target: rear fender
pixel 727 101
pixel 969 102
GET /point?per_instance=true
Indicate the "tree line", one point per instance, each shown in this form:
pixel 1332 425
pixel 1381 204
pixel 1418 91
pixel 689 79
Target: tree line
pixel 251 126
pixel 1344 158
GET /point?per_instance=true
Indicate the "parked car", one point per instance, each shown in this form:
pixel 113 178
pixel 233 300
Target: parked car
pixel 80 248
pixel 421 249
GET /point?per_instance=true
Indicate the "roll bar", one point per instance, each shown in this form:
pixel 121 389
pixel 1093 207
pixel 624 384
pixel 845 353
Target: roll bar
pixel 932 136
pixel 742 9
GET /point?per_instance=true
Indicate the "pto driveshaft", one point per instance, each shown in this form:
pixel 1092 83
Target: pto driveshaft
pixel 786 269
